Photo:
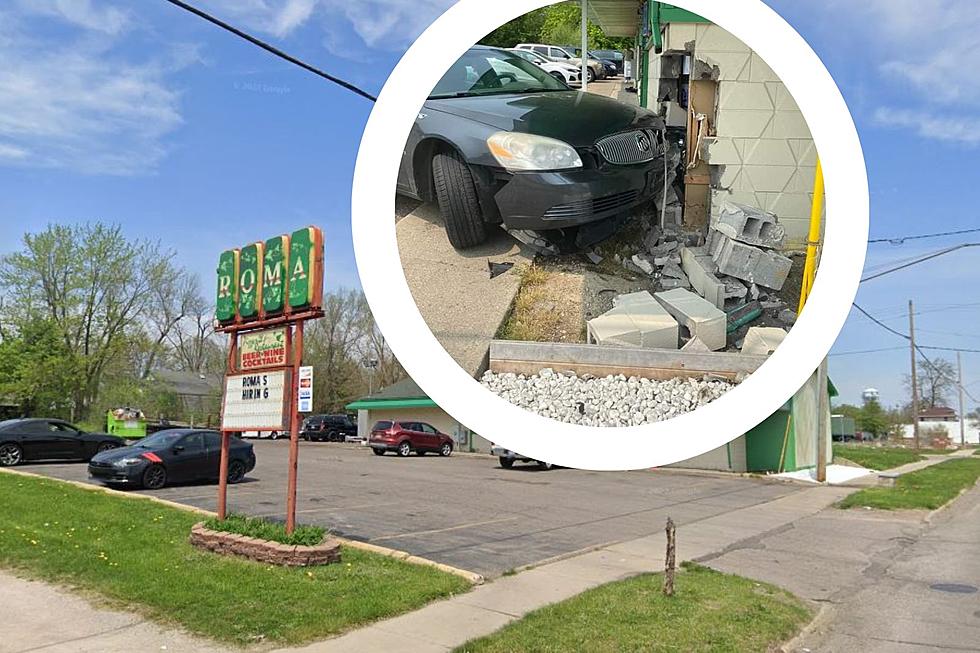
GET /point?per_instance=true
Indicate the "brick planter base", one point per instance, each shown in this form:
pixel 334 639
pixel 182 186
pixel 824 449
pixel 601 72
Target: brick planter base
pixel 266 551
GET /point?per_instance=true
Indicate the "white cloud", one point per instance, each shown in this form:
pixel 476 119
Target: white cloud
pixel 108 19
pixel 962 129
pixel 71 102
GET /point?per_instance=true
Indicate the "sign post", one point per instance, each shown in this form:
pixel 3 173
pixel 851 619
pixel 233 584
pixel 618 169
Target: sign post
pixel 266 292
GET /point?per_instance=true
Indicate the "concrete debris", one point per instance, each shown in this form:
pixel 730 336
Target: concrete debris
pixel 664 248
pixel 636 320
pixel 609 401
pixel 594 258
pixel 762 341
pixel 772 303
pixel 751 264
pixel 644 265
pixel 699 316
pixel 672 270
pixel 734 289
pixel 749 225
pixel 535 240
pixel 787 316
pixel 497 269
pixel 700 269
pixel 695 344
pixel 661 261
pixel 754 291
pixel 669 283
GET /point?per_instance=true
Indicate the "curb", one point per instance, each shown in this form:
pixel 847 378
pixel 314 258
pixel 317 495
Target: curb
pixel 473 577
pixel 820 618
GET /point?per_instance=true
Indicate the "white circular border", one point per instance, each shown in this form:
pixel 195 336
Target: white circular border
pixel 602 448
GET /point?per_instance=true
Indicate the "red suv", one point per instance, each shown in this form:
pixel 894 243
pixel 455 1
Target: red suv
pixel 404 437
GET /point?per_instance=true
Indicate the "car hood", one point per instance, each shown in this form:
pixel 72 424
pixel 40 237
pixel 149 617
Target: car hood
pixel 571 116
pixel 118 453
pixel 89 435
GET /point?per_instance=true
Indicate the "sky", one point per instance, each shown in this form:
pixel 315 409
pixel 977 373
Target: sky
pixel 146 116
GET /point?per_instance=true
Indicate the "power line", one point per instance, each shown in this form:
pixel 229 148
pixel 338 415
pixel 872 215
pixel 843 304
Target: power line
pixel 920 259
pixel 901 239
pixel 865 351
pixel 272 49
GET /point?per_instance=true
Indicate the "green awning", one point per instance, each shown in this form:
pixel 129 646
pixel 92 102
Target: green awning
pixel 382 404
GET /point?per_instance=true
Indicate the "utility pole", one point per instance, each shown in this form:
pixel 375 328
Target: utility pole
pixel 585 45
pixel 959 384
pixel 915 384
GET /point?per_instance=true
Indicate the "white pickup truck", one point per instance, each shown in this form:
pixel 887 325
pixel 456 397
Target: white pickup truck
pixel 507 458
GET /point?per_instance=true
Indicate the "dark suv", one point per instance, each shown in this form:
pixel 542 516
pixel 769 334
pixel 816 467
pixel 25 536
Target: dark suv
pixel 404 437
pixel 332 428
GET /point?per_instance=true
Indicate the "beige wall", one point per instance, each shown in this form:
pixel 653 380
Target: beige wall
pixel 717 459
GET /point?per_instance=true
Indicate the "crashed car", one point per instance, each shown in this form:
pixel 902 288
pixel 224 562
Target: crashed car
pixel 500 141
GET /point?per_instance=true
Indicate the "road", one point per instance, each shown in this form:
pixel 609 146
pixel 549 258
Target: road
pixel 466 511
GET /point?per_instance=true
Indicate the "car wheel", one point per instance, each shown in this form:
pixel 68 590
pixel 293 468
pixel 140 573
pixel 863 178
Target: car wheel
pixel 236 471
pixel 106 446
pixel 378 452
pixel 446 449
pixel 10 454
pixel 589 75
pixel 458 204
pixel 404 449
pixel 154 477
pixel 332 436
pixel 506 462
pixel 557 75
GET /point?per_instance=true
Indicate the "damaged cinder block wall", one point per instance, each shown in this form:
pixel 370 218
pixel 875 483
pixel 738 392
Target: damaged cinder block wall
pixel 759 148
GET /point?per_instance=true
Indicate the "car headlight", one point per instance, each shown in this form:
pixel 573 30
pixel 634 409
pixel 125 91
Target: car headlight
pixel 516 151
pixel 126 462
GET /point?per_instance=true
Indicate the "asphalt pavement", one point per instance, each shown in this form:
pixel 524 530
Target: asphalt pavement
pixel 465 510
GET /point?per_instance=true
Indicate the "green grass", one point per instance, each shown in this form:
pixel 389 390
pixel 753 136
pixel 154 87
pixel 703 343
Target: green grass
pixel 877 458
pixel 926 489
pixel 710 611
pixel 135 555
pixel 267 530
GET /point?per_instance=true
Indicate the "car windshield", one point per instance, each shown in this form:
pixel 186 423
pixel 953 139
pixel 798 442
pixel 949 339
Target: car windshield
pixel 7 423
pixel 493 72
pixel 160 440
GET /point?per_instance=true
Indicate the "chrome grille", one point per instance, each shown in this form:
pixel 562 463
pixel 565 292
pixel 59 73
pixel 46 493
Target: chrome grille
pixel 591 206
pixel 627 148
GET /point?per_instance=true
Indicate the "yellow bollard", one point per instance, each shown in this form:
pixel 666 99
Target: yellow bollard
pixel 813 239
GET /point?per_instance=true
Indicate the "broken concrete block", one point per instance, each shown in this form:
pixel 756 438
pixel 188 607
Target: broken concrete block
pixel 644 265
pixel 695 344
pixel 762 341
pixel 734 289
pixel 699 268
pixel 636 320
pixel 701 318
pixel 664 260
pixel 594 258
pixel 672 270
pixel 751 264
pixel 669 283
pixel 750 225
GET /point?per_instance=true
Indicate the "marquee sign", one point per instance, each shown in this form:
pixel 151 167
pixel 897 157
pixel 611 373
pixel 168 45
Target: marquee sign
pixel 274 278
pixel 256 401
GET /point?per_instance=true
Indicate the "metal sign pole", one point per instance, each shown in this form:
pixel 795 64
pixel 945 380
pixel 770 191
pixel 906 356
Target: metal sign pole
pixel 297 353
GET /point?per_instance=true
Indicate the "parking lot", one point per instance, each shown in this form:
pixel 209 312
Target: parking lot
pixel 465 510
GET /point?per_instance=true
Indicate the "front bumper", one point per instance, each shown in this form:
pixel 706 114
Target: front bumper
pixel 569 198
pixel 131 474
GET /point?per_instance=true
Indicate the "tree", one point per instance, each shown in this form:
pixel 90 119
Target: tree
pixel 559 24
pixel 936 380
pixel 848 410
pixel 974 417
pixel 873 419
pixel 37 371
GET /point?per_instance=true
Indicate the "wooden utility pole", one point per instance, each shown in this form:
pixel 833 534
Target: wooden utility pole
pixel 671 562
pixel 823 411
pixel 915 383
pixel 959 385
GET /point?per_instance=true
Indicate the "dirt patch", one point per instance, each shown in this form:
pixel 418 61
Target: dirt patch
pixel 548 307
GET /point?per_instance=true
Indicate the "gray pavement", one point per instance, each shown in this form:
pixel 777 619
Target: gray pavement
pixel 466 511
pixel 458 300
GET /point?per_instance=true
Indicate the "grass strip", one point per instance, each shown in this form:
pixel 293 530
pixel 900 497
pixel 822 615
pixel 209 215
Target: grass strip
pixel 877 458
pixel 266 530
pixel 135 554
pixel 710 611
pixel 925 489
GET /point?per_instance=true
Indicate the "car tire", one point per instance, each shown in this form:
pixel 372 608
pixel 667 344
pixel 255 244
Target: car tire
pixel 378 452
pixel 446 449
pixel 154 477
pixel 332 436
pixel 11 454
pixel 458 203
pixel 506 462
pixel 589 75
pixel 236 471
pixel 557 75
pixel 404 449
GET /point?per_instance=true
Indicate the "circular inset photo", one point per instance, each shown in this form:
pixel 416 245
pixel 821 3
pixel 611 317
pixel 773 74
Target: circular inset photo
pixel 612 232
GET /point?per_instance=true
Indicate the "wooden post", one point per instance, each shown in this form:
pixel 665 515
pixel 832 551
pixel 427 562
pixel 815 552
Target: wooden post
pixel 959 384
pixel 226 435
pixel 823 413
pixel 915 382
pixel 670 563
pixel 297 355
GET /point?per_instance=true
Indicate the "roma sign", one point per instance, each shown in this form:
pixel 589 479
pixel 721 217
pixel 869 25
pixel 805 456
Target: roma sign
pixel 280 276
pixel 262 349
pixel 256 401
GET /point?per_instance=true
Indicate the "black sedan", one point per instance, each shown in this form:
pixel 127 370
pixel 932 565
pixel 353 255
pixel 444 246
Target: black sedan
pixel 172 456
pixel 28 440
pixel 500 141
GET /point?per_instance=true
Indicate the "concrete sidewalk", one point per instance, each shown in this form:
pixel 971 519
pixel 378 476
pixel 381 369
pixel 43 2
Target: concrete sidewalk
pixel 872 479
pixel 447 624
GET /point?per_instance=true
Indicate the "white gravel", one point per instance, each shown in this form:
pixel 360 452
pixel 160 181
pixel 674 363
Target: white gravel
pixel 609 401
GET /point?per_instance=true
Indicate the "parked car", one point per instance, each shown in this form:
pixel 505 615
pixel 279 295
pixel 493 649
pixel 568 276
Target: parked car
pixel 172 456
pixel 272 435
pixel 332 428
pixel 508 458
pixel 564 72
pixel 608 65
pixel 500 141
pixel 595 69
pixel 615 56
pixel 35 439
pixel 404 437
